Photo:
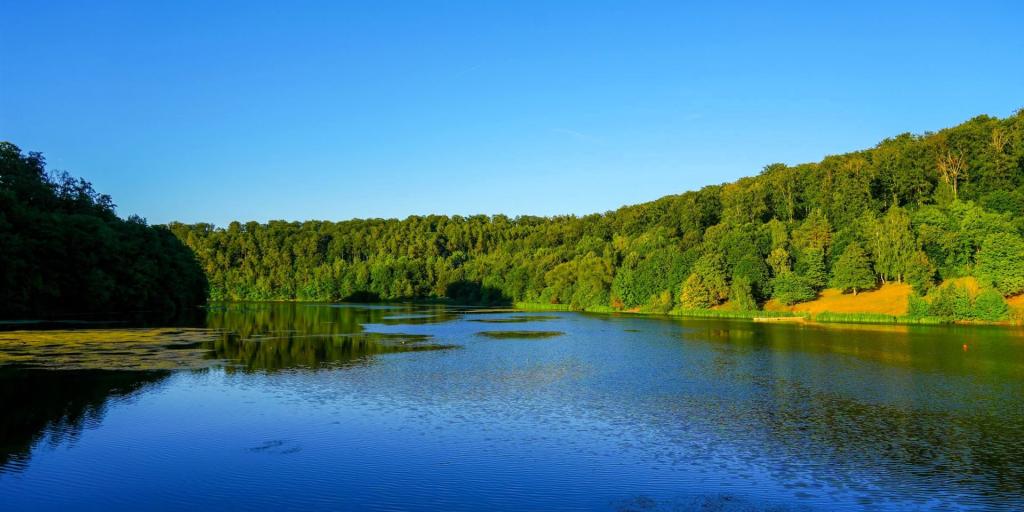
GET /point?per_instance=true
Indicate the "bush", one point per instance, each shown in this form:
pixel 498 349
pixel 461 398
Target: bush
pixel 742 296
pixel 990 306
pixel 921 273
pixel 917 307
pixel 790 289
pixel 659 303
pixel 952 301
pixel 1001 262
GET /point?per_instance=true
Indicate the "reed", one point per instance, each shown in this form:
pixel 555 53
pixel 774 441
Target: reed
pixel 717 313
pixel 878 318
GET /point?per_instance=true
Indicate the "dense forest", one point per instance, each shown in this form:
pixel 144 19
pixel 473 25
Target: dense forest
pixel 918 209
pixel 64 252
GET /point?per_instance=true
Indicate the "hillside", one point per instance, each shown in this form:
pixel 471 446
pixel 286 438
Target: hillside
pixel 64 252
pixel 919 209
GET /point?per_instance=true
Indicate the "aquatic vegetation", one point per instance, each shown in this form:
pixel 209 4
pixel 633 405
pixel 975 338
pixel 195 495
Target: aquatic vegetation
pixel 108 349
pixel 524 335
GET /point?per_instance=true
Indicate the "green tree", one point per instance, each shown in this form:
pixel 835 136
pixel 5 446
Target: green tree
pixel 790 289
pixel 741 295
pixel 1001 262
pixel 852 270
pixel 707 285
pixel 990 306
pixel 811 266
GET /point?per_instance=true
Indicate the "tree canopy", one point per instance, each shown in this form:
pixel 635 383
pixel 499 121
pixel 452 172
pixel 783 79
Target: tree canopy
pixel 63 250
pixel 915 208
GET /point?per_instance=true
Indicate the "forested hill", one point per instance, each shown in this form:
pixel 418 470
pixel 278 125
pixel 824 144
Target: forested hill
pixel 64 252
pixel 916 208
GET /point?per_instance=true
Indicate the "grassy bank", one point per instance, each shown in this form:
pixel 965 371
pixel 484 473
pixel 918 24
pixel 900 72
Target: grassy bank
pixel 823 317
pixel 877 318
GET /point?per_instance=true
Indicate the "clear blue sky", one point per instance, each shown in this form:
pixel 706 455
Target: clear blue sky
pixel 211 111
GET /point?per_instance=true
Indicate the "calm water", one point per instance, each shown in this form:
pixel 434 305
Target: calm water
pixel 302 406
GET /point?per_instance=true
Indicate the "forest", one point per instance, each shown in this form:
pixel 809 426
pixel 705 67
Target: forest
pixel 916 208
pixel 64 252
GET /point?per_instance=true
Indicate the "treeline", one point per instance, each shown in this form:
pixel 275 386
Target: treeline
pixel 63 250
pixel 915 208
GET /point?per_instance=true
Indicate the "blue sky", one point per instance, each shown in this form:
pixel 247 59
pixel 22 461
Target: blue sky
pixel 217 111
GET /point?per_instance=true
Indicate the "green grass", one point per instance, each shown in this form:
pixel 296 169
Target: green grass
pixel 878 318
pixel 541 306
pixel 824 317
pixel 717 313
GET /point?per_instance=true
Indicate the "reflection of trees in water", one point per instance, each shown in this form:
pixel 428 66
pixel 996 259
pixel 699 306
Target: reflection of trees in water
pixel 993 354
pixel 920 408
pixel 261 319
pixel 981 451
pixel 275 336
pixel 292 350
pixel 55 406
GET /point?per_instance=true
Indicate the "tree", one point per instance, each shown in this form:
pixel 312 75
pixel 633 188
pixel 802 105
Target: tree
pixel 852 270
pixel 741 295
pixel 790 222
pixel 990 306
pixel 65 252
pixel 814 233
pixel 891 242
pixel 706 286
pixel 920 272
pixel 790 289
pixel 811 266
pixel 952 167
pixel 1001 262
pixel 778 260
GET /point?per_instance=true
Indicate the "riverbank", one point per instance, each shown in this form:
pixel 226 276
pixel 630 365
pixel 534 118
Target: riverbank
pixel 822 317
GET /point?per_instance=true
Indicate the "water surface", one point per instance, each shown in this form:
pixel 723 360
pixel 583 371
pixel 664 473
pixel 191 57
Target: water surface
pixel 337 407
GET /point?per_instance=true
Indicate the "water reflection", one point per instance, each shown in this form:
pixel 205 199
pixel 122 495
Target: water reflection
pixel 247 336
pixel 53 407
pixel 278 336
pixel 645 413
pixel 903 400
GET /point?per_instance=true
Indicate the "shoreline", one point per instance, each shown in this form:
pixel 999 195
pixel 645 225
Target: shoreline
pixel 825 317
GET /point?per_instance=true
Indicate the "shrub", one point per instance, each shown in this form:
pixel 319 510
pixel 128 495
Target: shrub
pixel 1001 262
pixel 659 303
pixel 917 307
pixel 952 301
pixel 790 288
pixel 741 295
pixel 990 306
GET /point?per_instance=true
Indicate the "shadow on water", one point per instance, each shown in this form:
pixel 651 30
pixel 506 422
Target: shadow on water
pixel 56 406
pixel 55 382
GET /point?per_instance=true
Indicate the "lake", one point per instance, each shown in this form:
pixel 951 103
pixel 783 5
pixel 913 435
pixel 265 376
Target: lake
pixel 404 407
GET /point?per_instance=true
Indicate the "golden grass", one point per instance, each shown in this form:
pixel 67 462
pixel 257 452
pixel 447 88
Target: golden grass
pixel 890 299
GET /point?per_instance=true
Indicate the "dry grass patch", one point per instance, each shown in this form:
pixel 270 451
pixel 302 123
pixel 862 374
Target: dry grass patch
pixel 890 299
